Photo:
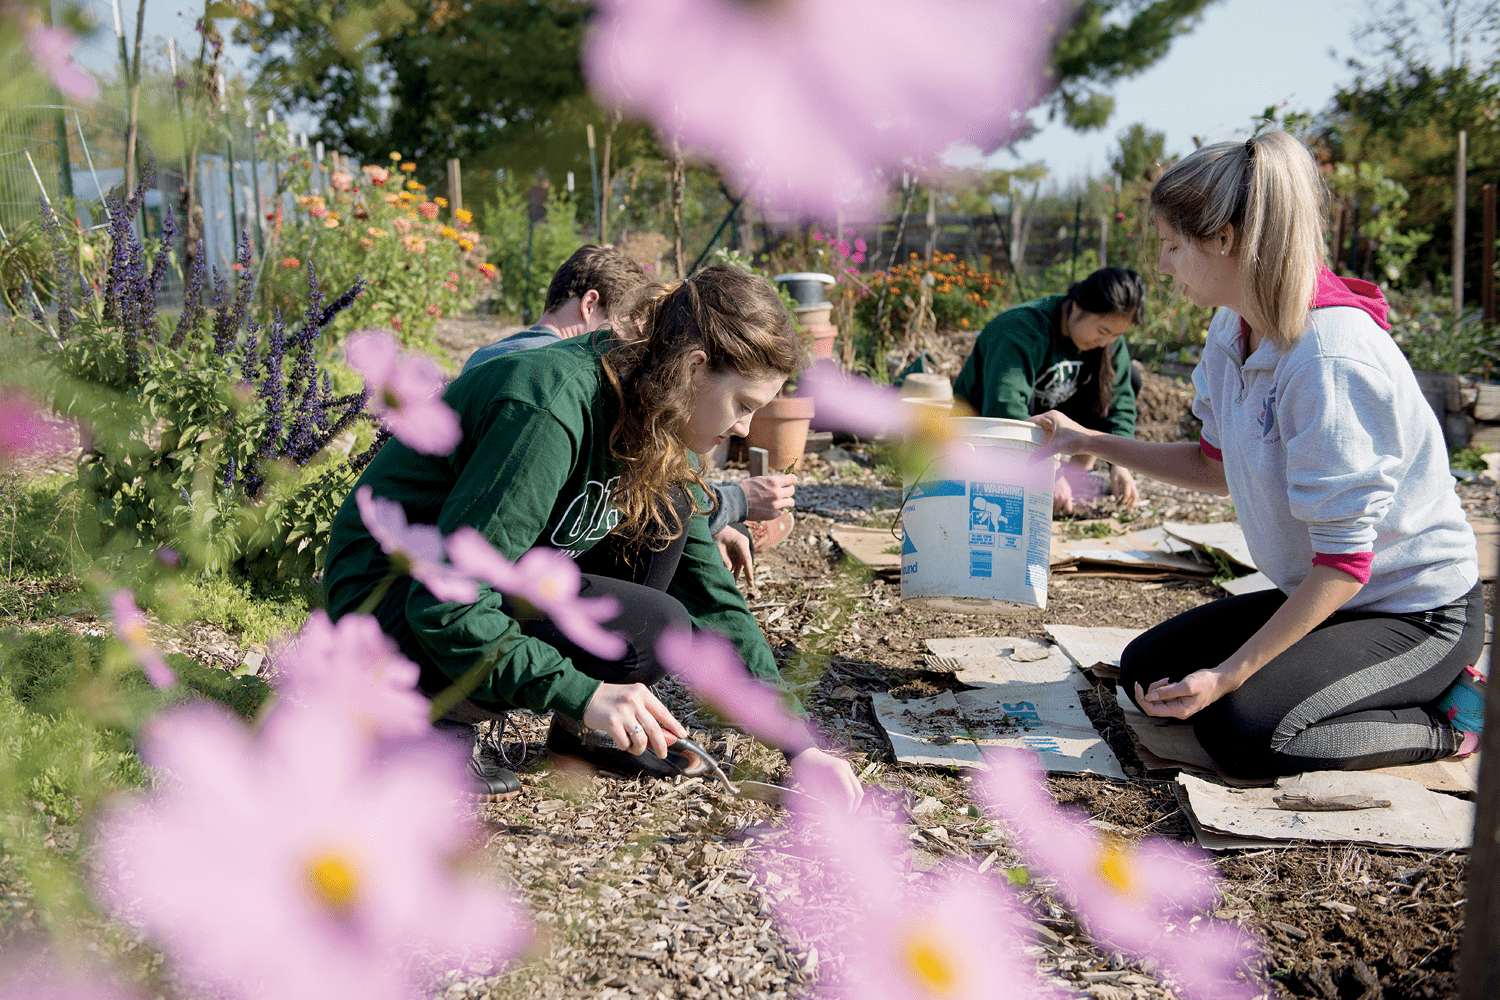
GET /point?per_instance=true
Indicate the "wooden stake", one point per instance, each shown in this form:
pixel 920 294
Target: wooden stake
pixel 1479 970
pixel 679 197
pixel 1487 254
pixel 455 187
pixel 1460 203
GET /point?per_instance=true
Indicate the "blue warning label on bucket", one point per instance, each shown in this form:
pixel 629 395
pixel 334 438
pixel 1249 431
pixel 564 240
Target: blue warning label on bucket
pixel 981 538
pixel 937 488
pixel 981 562
pixel 995 507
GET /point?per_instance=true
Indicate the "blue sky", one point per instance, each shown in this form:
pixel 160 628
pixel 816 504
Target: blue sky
pixel 1243 56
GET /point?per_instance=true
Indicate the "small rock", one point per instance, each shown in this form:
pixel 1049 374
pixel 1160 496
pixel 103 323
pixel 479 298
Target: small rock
pixel 1337 907
pixel 926 806
pixel 549 805
pixel 844 692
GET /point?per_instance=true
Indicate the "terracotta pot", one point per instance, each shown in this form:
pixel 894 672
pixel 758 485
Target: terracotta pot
pixel 819 332
pixel 781 428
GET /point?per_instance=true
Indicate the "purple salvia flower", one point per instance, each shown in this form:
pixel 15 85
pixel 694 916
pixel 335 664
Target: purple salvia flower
pixel 188 325
pixel 250 363
pixel 62 263
pixel 229 474
pixel 222 337
pixel 36 309
pixel 245 290
pixel 158 272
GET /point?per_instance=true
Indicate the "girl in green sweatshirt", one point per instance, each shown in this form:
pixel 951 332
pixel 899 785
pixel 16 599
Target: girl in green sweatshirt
pixel 583 446
pixel 1063 352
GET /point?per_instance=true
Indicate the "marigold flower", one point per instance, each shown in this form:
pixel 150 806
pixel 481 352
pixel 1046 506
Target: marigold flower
pixel 465 244
pixel 488 270
pixel 290 263
pixel 414 243
pixel 395 157
pixel 408 167
pixel 449 233
pixel 332 222
pixel 464 215
pixel 365 243
pixel 373 231
pixel 441 201
pixel 391 198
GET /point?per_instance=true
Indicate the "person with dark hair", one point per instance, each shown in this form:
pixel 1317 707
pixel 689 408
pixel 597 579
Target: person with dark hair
pixel 585 293
pixel 1316 428
pixel 591 289
pixel 584 447
pixel 1064 352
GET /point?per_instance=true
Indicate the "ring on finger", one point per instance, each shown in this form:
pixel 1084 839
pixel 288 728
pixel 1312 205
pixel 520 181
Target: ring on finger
pixel 637 728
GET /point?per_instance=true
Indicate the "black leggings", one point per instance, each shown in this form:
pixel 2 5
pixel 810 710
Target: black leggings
pixel 637 578
pixel 1354 693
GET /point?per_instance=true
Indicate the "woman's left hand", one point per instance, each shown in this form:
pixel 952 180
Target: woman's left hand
pixel 1187 697
pixel 1122 485
pixel 826 777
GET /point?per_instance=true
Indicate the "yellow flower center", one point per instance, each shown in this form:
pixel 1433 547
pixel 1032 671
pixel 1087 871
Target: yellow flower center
pixel 1114 866
pixel 931 964
pixel 334 880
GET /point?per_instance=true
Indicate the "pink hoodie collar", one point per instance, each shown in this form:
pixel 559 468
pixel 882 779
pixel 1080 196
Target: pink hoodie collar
pixel 1336 291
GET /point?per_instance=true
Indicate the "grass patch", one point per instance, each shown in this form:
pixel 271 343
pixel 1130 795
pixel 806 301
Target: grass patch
pixel 257 614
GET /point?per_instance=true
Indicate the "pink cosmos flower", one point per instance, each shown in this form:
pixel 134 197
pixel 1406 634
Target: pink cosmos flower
pixel 547 580
pixel 358 670
pixel 130 627
pixel 52 50
pixel 956 934
pixel 1135 898
pixel 405 392
pixel 342 880
pixel 711 668
pixel 861 407
pixel 858 258
pixel 861 246
pixel 25 429
pixel 821 120
pixel 31 974
pixel 413 548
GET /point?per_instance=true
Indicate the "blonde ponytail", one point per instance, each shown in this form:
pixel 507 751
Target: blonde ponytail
pixel 1269 190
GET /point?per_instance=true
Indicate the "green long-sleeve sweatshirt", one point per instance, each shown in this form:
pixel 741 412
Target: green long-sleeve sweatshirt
pixel 1022 365
pixel 533 468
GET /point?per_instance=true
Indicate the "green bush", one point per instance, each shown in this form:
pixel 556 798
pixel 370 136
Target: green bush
pixel 506 223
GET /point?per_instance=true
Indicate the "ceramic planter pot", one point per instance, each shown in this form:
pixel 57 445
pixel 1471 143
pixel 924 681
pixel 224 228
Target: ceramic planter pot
pixel 781 428
pixel 805 287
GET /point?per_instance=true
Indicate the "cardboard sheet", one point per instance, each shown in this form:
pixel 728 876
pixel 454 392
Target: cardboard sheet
pixel 1250 584
pixel 1128 551
pixel 1027 695
pixel 1247 817
pixel 875 547
pixel 1225 538
pixel 1487 534
pixel 1088 646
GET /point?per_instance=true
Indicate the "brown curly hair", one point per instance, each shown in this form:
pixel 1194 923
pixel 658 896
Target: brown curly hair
pixel 739 322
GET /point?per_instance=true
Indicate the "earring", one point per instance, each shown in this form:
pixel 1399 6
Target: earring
pixel 1223 253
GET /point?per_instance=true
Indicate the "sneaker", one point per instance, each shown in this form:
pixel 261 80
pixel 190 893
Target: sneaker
pixel 570 743
pixel 765 534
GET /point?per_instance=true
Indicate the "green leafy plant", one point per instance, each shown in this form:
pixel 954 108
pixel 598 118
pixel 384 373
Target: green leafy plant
pixel 524 255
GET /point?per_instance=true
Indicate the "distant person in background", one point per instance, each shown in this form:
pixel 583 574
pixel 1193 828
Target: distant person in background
pixel 1067 353
pixel 592 289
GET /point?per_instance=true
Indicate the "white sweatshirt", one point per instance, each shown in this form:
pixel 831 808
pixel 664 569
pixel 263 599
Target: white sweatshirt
pixel 1331 451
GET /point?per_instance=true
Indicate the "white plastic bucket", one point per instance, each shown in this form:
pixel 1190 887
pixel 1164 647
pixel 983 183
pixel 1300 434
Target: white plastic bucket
pixel 981 546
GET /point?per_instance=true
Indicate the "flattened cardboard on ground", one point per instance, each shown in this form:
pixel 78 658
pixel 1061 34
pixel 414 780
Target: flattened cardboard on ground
pixel 1157 538
pixel 869 546
pixel 1226 538
pixel 1164 744
pixel 1251 584
pixel 1247 817
pixel 1016 680
pixel 1487 534
pixel 1127 551
pixel 1088 646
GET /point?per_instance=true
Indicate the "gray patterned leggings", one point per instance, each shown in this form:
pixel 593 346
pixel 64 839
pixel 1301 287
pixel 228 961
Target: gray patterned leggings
pixel 1351 695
